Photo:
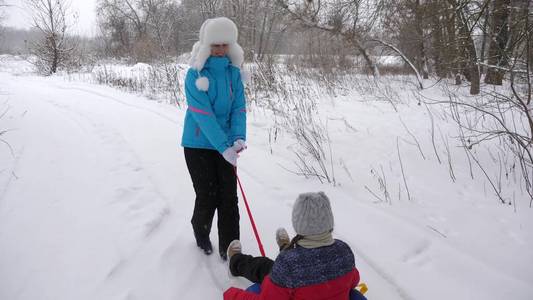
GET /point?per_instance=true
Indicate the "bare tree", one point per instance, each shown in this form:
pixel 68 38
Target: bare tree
pixel 3 5
pixel 442 28
pixel 340 18
pixel 260 24
pixel 125 23
pixel 145 29
pixel 467 45
pixel 2 13
pixel 50 19
pixel 499 35
pixel 407 21
pixel 209 8
pixel 504 115
pixel 114 30
pixel 441 35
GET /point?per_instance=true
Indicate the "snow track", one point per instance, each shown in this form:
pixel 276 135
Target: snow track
pixel 86 175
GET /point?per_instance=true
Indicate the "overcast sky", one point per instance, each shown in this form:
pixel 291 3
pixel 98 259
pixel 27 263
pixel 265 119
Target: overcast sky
pixel 18 16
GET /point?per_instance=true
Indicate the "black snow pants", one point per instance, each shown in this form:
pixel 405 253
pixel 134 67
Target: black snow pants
pixel 215 185
pixel 252 268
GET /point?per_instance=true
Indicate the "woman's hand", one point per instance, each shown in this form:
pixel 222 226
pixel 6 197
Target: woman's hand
pixel 231 155
pixel 239 145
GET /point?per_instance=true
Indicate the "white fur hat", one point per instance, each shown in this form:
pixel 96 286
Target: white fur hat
pixel 312 214
pixel 215 31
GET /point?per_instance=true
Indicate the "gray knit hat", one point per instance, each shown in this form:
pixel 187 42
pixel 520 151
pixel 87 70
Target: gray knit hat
pixel 312 214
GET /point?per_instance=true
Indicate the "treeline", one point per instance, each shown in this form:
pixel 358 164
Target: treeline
pixel 15 41
pixel 462 39
pixel 150 29
pixel 446 38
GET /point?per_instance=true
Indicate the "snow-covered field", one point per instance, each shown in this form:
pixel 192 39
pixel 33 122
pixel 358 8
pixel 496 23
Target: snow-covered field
pixel 95 198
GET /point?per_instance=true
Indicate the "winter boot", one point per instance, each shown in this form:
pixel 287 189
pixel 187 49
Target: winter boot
pixel 205 245
pixel 282 238
pixel 223 255
pixel 234 247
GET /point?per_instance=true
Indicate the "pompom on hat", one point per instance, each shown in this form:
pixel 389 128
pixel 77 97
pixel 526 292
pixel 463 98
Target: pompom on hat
pixel 311 214
pixel 216 31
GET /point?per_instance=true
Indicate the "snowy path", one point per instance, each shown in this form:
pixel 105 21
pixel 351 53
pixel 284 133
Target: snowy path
pixel 96 202
pixel 99 203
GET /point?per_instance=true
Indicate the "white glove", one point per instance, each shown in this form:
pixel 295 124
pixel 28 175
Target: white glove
pixel 231 156
pixel 239 145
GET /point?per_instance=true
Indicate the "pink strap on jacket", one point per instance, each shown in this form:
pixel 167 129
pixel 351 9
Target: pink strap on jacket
pixel 197 110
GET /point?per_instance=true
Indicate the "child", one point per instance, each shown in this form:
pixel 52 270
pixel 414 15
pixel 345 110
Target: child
pixel 311 266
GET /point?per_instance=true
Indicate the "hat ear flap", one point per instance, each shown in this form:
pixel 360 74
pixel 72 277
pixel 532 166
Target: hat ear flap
pixel 203 53
pixel 236 55
pixel 194 53
pixel 200 52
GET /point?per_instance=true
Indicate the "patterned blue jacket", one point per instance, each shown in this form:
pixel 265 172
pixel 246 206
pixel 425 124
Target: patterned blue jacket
pixel 300 266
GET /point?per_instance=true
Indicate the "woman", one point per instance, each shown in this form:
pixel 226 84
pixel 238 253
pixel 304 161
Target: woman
pixel 215 131
pixel 312 266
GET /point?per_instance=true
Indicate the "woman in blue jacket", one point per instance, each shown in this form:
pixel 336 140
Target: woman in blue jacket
pixel 215 131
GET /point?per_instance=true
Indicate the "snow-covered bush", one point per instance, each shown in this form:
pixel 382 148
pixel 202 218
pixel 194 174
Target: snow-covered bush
pixel 497 123
pixel 156 81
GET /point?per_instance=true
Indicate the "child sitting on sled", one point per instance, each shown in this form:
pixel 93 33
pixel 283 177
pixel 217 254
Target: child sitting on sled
pixel 312 266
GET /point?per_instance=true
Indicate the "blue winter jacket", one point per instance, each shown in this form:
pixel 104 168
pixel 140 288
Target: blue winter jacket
pixel 216 118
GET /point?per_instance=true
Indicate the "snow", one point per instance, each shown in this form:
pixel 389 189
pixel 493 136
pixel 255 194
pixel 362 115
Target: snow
pixel 15 64
pixel 126 71
pixel 389 60
pixel 96 200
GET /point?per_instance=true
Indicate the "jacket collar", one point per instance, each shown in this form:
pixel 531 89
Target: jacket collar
pixel 217 63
